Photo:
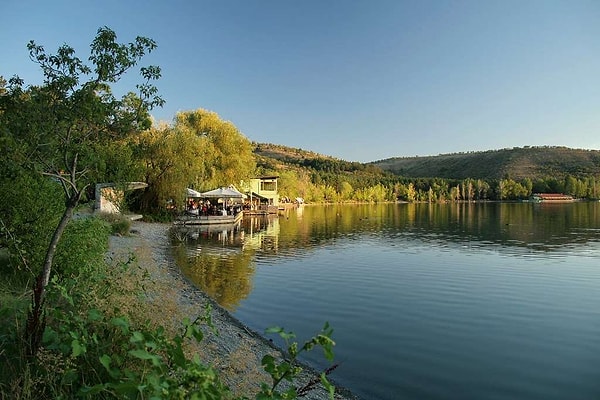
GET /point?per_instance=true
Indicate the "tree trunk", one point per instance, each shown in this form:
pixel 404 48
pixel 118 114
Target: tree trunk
pixel 36 321
pixel 66 217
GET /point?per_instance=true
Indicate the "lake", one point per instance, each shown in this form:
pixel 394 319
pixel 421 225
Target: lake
pixel 441 301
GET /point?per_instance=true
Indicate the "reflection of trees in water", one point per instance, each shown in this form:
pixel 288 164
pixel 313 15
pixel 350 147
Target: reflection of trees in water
pixel 542 226
pixel 224 271
pixel 221 262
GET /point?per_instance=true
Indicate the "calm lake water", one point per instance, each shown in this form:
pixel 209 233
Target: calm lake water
pixel 467 301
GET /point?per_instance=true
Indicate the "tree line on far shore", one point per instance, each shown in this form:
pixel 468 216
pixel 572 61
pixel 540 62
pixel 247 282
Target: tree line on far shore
pixel 317 178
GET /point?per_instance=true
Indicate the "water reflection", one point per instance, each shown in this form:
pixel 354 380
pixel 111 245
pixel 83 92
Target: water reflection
pixel 261 234
pixel 212 257
pixel 509 226
pixel 428 301
pixel 221 259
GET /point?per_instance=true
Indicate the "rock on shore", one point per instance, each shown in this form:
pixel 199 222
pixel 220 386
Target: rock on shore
pixel 235 351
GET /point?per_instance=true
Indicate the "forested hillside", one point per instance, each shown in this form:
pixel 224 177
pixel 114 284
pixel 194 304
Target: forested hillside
pixel 317 177
pixel 507 174
pixel 516 163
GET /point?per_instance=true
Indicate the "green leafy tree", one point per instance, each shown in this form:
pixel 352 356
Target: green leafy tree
pixel 528 184
pixel 226 153
pixel 171 160
pixel 199 150
pixel 411 193
pixel 509 189
pixel 379 193
pixel 329 194
pixel 289 184
pixel 482 189
pixel 58 126
pixel 346 190
pixel 593 188
pixel 571 185
pixel 455 193
pixel 467 190
pixel 29 206
pixel 430 196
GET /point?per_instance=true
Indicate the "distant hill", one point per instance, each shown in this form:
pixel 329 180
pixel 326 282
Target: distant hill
pixel 319 168
pixel 287 154
pixel 516 163
pixel 290 157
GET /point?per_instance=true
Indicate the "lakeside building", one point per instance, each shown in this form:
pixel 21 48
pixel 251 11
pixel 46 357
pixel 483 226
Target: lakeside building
pixel 551 197
pixel 262 194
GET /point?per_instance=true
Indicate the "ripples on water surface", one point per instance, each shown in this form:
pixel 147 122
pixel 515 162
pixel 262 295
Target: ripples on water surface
pixel 474 302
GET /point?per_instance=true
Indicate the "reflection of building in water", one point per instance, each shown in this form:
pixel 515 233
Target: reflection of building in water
pixel 262 233
pixel 300 211
pixel 551 197
pixel 209 238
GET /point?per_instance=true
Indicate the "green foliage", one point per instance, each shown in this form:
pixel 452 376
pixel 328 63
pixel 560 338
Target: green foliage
pixel 115 162
pixel 318 178
pixel 94 349
pixel 111 357
pixel 200 150
pixel 60 138
pixel 80 274
pixel 61 128
pixel 169 159
pixel 508 174
pixel 62 125
pixel 288 369
pixel 30 208
pixel 83 246
pixel 120 224
pixel 227 154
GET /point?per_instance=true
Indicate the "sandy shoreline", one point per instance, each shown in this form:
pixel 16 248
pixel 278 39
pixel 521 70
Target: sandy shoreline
pixel 236 351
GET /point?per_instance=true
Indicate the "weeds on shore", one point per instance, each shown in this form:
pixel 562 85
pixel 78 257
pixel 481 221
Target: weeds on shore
pixel 119 223
pixel 288 368
pixel 99 343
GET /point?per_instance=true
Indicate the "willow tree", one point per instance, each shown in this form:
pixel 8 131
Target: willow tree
pixel 170 160
pixel 57 127
pixel 198 150
pixel 227 156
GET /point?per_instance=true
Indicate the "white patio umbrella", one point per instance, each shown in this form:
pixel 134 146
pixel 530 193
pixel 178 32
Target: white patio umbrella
pixel 224 193
pixel 193 193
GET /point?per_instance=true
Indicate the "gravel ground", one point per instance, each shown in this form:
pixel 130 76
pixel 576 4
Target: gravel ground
pixel 236 350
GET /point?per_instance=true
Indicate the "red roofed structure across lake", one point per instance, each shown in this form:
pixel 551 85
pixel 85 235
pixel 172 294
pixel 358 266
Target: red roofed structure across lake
pixel 552 197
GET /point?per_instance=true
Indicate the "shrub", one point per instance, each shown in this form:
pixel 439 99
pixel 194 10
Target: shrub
pixel 120 224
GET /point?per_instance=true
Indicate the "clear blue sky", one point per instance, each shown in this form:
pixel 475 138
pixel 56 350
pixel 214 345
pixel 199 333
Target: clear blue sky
pixel 356 79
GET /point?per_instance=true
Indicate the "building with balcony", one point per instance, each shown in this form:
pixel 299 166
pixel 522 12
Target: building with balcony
pixel 262 194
